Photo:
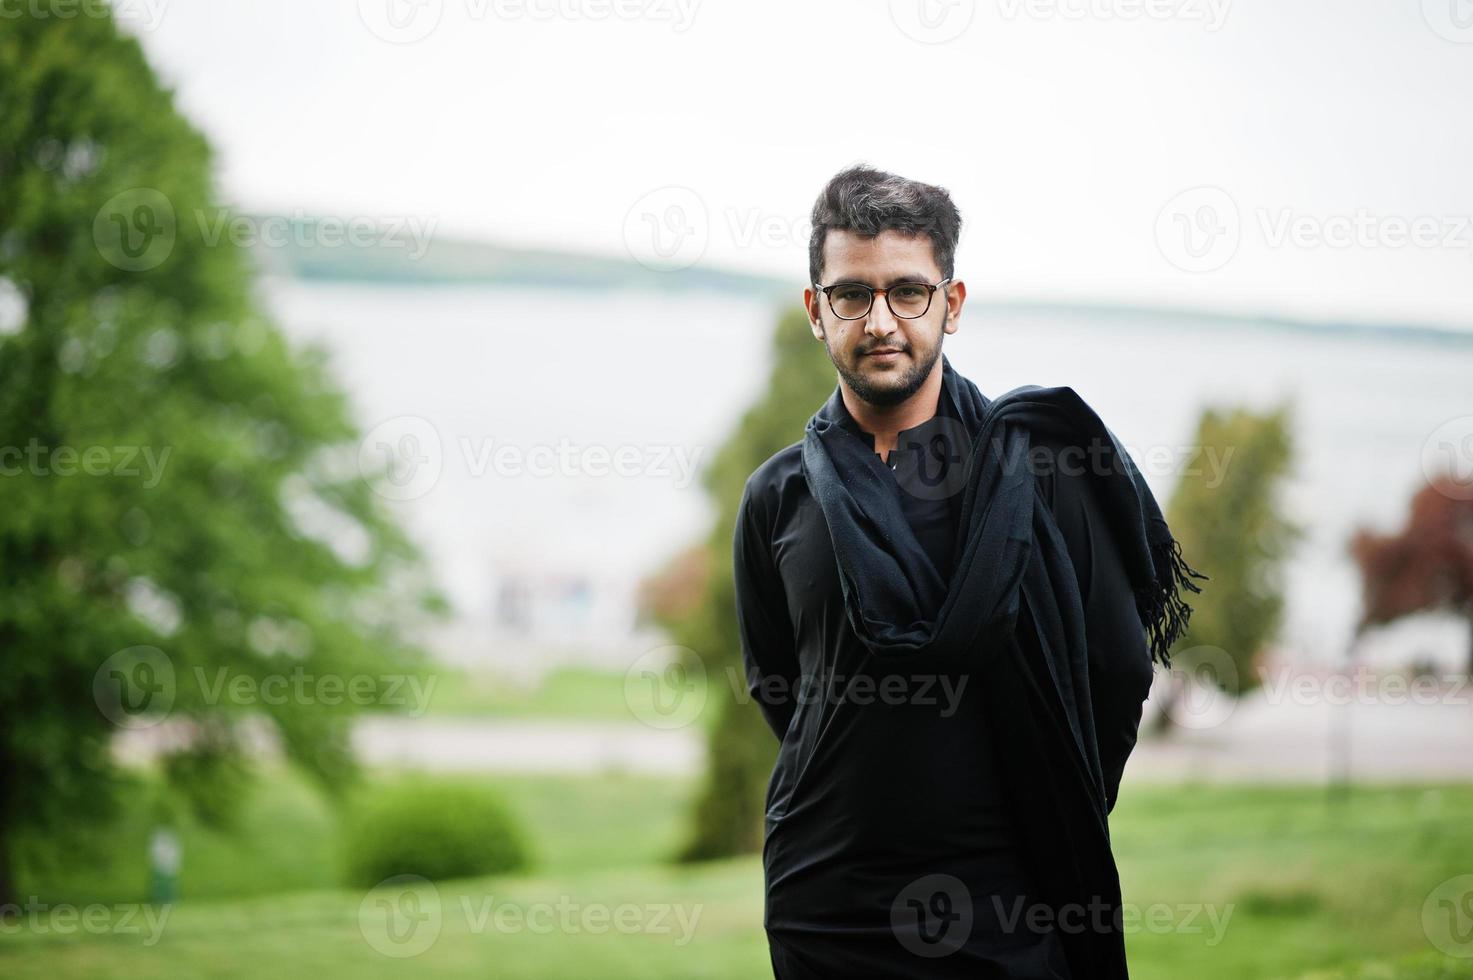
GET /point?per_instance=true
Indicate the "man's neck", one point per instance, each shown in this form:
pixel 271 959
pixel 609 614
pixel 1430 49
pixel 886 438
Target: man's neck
pixel 886 423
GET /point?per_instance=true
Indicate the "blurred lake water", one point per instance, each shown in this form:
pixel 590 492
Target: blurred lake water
pixel 658 380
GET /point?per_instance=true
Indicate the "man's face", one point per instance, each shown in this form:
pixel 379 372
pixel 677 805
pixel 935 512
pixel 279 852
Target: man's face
pixel 883 359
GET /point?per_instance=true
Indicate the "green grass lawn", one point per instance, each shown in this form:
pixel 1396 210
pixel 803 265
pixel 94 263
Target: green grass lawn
pixel 1427 966
pixel 288 841
pixel 1309 884
pixel 1306 888
pixel 572 693
pixel 575 693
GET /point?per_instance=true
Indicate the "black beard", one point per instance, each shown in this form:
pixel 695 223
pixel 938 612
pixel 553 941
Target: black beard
pixel 910 382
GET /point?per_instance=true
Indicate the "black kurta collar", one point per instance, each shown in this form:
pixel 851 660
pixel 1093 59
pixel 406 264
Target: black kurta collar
pixel 915 437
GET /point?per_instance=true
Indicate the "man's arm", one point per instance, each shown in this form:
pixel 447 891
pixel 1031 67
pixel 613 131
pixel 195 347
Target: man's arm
pixel 768 655
pixel 1120 668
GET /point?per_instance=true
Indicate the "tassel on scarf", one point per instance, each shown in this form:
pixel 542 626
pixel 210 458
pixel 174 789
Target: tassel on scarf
pixel 1162 609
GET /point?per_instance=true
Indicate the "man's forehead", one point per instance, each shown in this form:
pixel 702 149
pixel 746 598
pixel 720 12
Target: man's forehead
pixel 848 253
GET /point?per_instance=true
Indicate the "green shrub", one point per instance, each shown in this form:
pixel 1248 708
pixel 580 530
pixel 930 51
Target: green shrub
pixel 438 830
pixel 1285 903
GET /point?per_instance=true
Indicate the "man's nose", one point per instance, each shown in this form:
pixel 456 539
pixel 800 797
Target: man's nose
pixel 880 321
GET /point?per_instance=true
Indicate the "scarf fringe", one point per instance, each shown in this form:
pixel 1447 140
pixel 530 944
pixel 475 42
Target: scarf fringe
pixel 1164 612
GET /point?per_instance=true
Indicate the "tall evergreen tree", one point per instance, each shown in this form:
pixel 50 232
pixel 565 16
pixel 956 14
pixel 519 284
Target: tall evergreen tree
pixel 727 815
pixel 182 496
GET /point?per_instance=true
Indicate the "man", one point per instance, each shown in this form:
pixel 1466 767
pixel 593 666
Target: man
pixel 951 646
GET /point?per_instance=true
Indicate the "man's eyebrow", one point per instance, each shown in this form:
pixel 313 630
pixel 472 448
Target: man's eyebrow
pixel 913 277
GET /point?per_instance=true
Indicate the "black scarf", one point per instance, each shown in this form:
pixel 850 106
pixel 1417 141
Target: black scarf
pixel 1011 571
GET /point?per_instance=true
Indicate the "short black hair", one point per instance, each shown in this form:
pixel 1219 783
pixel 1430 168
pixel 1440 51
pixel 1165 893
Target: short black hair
pixel 867 201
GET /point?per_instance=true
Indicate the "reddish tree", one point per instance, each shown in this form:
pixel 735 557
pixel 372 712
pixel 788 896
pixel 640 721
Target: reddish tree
pixel 1428 566
pixel 678 588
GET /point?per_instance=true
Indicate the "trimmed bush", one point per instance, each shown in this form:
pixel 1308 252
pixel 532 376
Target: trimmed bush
pixel 438 830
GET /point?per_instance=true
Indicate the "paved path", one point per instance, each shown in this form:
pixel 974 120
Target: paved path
pixel 1265 737
pixel 528 746
pixel 1314 740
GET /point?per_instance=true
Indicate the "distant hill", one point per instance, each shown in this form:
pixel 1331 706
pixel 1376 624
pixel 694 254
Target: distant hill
pixel 1188 319
pixel 448 261
pixel 455 262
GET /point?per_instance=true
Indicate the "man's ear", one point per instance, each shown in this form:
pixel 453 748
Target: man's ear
pixel 956 296
pixel 815 312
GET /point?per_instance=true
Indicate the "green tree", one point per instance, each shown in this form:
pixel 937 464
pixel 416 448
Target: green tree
pixel 727 814
pixel 183 502
pixel 1227 510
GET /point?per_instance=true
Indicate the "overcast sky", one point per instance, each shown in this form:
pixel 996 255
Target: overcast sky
pixel 1293 156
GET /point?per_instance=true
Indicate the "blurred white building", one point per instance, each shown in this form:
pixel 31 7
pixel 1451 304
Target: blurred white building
pixel 538 618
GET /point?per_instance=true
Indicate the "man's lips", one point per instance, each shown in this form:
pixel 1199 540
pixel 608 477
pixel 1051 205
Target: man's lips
pixel 883 353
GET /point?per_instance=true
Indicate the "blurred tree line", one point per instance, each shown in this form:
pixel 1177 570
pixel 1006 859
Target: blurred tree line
pixel 183 496
pixel 727 817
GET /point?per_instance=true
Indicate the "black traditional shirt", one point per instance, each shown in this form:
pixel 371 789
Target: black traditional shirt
pixel 886 777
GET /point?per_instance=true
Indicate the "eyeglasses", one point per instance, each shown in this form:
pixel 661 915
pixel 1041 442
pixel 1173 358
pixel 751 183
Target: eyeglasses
pixel 907 300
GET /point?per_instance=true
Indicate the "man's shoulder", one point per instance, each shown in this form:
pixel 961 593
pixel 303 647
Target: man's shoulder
pixel 1074 431
pixel 779 469
pixel 1070 455
pixel 778 476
